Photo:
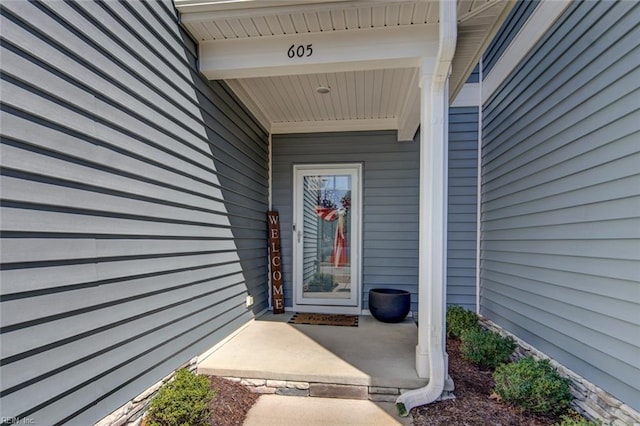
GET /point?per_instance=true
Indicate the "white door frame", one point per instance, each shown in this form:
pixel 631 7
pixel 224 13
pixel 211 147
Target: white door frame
pixel 339 306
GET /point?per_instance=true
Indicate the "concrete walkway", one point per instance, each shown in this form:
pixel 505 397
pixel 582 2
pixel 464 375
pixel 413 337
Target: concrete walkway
pixel 277 410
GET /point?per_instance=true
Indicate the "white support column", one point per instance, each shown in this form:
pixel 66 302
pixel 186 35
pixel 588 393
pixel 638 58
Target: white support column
pixel 433 218
pixel 431 357
pixel 424 233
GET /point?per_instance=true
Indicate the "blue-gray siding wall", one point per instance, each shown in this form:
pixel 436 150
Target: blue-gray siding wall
pixel 474 77
pixel 521 11
pixel 561 197
pixel 390 196
pixel 133 206
pixel 462 207
pixel 390 201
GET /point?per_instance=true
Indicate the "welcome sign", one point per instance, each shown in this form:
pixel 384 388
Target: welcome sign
pixel 275 262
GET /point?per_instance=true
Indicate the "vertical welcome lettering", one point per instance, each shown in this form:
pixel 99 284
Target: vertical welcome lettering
pixel 275 262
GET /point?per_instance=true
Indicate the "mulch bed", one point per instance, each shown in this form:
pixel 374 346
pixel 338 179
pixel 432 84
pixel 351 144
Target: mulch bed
pixel 231 403
pixel 473 405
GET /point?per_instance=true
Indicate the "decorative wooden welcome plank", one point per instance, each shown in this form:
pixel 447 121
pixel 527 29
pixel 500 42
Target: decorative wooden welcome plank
pixel 275 262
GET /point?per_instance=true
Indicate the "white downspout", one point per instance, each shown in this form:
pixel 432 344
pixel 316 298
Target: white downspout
pixel 432 277
pixel 479 191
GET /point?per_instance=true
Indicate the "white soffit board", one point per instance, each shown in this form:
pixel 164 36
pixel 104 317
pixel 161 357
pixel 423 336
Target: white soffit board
pixel 478 23
pixel 296 18
pixel 358 100
pixel 193 6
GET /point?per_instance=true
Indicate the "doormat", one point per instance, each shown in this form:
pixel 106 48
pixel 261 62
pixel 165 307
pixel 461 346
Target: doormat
pixel 324 319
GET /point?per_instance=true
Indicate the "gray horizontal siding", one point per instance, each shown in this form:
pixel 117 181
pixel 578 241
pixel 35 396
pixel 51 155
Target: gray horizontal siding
pixel 474 77
pixel 390 197
pixel 133 206
pixel 462 207
pixel 560 197
pixel 521 11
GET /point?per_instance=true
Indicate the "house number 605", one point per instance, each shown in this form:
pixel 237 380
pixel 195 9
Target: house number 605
pixel 300 51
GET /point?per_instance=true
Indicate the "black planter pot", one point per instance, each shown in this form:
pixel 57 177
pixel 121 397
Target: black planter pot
pixel 389 305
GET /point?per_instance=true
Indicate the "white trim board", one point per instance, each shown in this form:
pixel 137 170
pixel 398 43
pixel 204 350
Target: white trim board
pixel 246 98
pixel 542 18
pixel 335 126
pixel 468 96
pixel 479 192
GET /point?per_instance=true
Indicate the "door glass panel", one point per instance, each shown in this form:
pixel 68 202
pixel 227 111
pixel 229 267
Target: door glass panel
pixel 327 237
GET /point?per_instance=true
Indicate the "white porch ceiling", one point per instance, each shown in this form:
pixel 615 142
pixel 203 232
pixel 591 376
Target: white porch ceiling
pixel 292 103
pixel 372 95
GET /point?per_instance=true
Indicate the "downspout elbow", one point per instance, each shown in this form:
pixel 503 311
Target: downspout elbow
pixel 431 392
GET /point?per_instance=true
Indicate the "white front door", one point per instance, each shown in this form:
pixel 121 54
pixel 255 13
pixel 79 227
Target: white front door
pixel 326 240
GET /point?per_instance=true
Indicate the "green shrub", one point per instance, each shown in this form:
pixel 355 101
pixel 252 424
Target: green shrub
pixel 574 418
pixel 459 320
pixel 534 385
pixel 567 421
pixel 486 348
pixel 184 401
pixel 322 282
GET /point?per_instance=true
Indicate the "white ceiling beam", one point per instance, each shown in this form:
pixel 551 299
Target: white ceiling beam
pixel 260 113
pixel 334 126
pixel 409 119
pixel 374 48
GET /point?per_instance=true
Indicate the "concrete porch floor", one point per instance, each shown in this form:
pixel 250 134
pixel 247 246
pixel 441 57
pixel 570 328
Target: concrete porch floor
pixel 374 354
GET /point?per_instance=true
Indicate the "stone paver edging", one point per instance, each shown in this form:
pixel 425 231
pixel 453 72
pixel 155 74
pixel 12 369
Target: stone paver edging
pixel 589 400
